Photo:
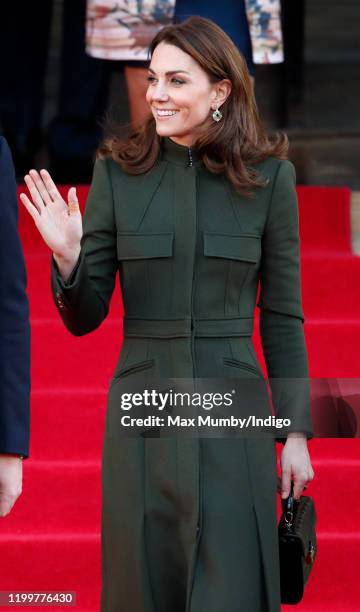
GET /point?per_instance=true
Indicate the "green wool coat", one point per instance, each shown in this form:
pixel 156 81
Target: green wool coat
pixel 189 523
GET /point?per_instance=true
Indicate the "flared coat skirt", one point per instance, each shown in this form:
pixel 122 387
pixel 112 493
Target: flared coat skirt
pixel 188 523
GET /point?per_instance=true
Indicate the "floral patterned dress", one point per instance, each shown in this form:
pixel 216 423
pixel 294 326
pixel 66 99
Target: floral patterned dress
pixel 264 17
pixel 123 30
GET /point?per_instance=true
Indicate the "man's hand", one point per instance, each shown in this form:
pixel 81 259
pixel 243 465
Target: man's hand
pixel 10 482
pixel 295 465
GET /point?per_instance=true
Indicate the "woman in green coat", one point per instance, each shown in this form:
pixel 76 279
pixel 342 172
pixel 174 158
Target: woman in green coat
pixel 193 210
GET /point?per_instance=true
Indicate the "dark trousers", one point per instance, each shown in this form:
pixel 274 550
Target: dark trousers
pixel 73 133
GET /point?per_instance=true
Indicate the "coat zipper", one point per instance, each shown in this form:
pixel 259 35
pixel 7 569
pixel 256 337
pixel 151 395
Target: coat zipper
pixel 190 157
pixel 193 276
pixel 198 527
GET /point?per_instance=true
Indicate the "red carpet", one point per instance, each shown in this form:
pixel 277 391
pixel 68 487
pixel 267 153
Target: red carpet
pixel 51 539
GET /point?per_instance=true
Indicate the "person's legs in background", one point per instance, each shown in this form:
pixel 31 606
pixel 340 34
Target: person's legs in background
pixel 74 133
pixel 24 45
pixel 292 82
pixel 135 75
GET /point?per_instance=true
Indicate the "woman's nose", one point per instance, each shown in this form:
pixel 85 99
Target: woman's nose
pixel 159 93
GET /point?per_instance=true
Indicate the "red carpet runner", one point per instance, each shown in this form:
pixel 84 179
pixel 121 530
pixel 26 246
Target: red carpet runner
pixel 51 539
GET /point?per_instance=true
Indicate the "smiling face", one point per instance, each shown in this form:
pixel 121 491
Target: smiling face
pixel 180 94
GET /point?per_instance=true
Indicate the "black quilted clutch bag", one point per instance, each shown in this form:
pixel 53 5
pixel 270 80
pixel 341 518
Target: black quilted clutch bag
pixel 297 545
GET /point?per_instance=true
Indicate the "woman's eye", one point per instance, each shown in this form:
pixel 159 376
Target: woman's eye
pixel 150 79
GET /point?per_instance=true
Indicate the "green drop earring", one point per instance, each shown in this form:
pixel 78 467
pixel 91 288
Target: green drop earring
pixel 217 115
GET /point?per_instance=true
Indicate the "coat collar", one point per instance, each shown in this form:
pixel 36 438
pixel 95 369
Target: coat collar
pixel 179 154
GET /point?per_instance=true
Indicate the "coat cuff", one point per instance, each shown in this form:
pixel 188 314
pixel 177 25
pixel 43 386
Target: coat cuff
pixel 309 436
pixel 13 455
pixel 16 451
pixel 72 278
pixel 76 299
pixel 65 292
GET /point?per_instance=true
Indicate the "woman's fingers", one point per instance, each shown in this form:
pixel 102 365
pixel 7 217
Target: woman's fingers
pixel 36 197
pixel 300 483
pixel 40 186
pixel 43 190
pixel 298 488
pixel 50 185
pixel 29 206
pixel 296 466
pixel 285 483
pixel 73 201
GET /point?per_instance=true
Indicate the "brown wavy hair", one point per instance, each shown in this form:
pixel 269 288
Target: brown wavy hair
pixel 231 146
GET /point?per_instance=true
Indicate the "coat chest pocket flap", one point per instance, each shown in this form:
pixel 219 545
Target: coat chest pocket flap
pixel 243 247
pixel 144 246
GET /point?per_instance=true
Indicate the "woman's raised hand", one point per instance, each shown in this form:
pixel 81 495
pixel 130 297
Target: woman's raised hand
pixel 59 224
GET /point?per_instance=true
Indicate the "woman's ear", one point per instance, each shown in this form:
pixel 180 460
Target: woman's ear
pixel 222 91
